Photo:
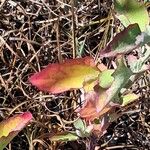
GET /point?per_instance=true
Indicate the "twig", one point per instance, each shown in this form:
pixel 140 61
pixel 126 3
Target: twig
pixel 4 42
pixel 58 42
pixel 54 19
pixel 73 28
pixel 2 3
pixel 25 40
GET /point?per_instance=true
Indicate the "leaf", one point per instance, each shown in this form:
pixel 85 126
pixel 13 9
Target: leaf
pixel 80 48
pixel 80 125
pixel 144 37
pixel 11 127
pixel 138 65
pixel 127 40
pixel 128 98
pixel 100 128
pixel 81 129
pixel 88 86
pixel 95 105
pixel 71 74
pixel 65 136
pixel 121 77
pixel 105 78
pixel 123 42
pixel 130 12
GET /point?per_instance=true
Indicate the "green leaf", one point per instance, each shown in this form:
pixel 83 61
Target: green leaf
pixel 65 136
pixel 80 48
pixel 144 37
pixel 126 99
pixel 105 78
pixel 81 129
pixel 131 11
pixel 80 125
pixel 127 40
pixel 123 42
pixel 121 77
pixel 138 65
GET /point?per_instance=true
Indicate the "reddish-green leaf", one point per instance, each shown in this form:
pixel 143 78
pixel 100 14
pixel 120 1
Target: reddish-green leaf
pixel 12 126
pixel 71 74
pixel 95 105
pixel 100 128
pixel 123 42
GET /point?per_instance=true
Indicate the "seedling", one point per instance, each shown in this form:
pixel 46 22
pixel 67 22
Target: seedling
pixel 104 88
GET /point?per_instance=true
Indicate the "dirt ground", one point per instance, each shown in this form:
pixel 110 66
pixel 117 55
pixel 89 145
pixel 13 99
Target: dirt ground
pixel 34 33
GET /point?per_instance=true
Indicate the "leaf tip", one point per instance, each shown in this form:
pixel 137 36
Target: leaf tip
pixel 27 116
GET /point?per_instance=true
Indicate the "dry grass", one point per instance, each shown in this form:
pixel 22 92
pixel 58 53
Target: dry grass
pixel 35 33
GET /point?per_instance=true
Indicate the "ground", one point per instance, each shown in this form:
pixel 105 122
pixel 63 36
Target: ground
pixel 36 33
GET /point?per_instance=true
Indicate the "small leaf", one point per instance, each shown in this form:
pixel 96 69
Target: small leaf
pixel 80 125
pixel 144 37
pixel 121 77
pixel 100 128
pixel 81 129
pixel 12 126
pixel 126 99
pixel 130 12
pixel 80 48
pixel 95 105
pixel 123 42
pixel 65 136
pixel 138 65
pixel 71 74
pixel 105 78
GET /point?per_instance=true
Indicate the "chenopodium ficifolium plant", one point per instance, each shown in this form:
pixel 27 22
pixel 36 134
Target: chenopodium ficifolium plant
pixel 104 89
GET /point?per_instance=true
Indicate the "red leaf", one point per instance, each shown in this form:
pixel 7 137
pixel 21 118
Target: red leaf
pixel 14 123
pixel 100 129
pixel 71 74
pixel 11 127
pixel 95 105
